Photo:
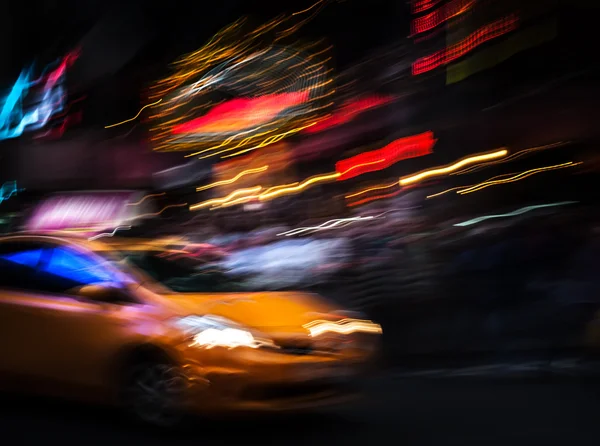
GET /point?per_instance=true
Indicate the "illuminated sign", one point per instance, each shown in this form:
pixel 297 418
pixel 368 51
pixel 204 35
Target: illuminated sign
pixel 441 15
pixel 453 52
pixel 90 211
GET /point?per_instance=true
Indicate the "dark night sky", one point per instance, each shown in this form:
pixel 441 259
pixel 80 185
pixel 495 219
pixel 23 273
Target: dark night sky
pixel 112 32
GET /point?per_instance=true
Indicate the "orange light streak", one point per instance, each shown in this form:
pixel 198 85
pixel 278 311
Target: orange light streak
pixel 309 8
pixel 135 117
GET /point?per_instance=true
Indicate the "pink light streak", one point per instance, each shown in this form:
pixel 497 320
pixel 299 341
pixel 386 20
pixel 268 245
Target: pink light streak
pixel 348 112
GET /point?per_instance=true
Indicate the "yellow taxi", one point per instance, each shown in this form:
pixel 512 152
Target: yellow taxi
pixel 162 338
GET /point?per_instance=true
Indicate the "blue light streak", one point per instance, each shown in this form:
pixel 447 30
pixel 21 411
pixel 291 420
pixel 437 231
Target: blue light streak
pixel 7 190
pixel 14 121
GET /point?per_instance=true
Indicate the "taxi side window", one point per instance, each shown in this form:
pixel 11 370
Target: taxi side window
pixel 18 264
pixel 67 268
pixel 38 267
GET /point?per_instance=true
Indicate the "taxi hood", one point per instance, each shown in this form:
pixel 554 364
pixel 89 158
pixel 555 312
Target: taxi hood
pixel 259 310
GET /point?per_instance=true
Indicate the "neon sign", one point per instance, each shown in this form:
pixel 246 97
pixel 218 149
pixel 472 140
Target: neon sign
pixel 93 211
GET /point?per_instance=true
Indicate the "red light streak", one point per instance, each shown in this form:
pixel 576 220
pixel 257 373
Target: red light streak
pixel 453 52
pixel 423 5
pixel 398 150
pixel 348 112
pixel 242 113
pixel 376 197
pixel 59 131
pixel 441 15
pixel 68 60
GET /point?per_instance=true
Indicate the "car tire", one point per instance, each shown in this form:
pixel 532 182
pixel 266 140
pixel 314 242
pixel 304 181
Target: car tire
pixel 152 393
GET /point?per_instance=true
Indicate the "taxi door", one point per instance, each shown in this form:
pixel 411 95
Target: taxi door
pixel 56 336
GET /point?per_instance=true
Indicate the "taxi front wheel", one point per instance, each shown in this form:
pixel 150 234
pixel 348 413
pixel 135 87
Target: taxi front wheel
pixel 152 393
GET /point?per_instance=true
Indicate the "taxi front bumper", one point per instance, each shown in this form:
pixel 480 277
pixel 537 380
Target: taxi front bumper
pixel 261 380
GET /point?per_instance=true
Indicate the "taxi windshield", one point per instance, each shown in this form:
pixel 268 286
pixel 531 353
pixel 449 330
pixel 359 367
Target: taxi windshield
pixel 184 273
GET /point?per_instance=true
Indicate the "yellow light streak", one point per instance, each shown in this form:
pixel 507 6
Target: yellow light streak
pixel 274 191
pixel 452 167
pixel 281 186
pixel 236 201
pixel 516 177
pixel 457 188
pixel 145 198
pixel 135 117
pixel 155 214
pixel 356 194
pixel 230 139
pixel 303 185
pixel 268 141
pixel 444 192
pixel 234 179
pixel 270 193
pixel 512 157
pixel 218 201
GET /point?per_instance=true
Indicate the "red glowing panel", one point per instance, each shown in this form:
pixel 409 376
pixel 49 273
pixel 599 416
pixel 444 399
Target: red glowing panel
pixel 441 15
pixel 348 112
pixel 242 113
pixel 453 52
pixel 423 5
pixel 398 150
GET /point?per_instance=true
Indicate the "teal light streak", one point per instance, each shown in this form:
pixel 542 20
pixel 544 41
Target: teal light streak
pixel 514 213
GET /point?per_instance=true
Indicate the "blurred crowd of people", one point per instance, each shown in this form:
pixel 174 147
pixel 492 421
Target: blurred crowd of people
pixel 525 282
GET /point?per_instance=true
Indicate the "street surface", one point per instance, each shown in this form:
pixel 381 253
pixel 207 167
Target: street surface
pixel 398 410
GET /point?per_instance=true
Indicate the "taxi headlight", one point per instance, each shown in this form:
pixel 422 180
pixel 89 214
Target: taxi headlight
pixel 214 331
